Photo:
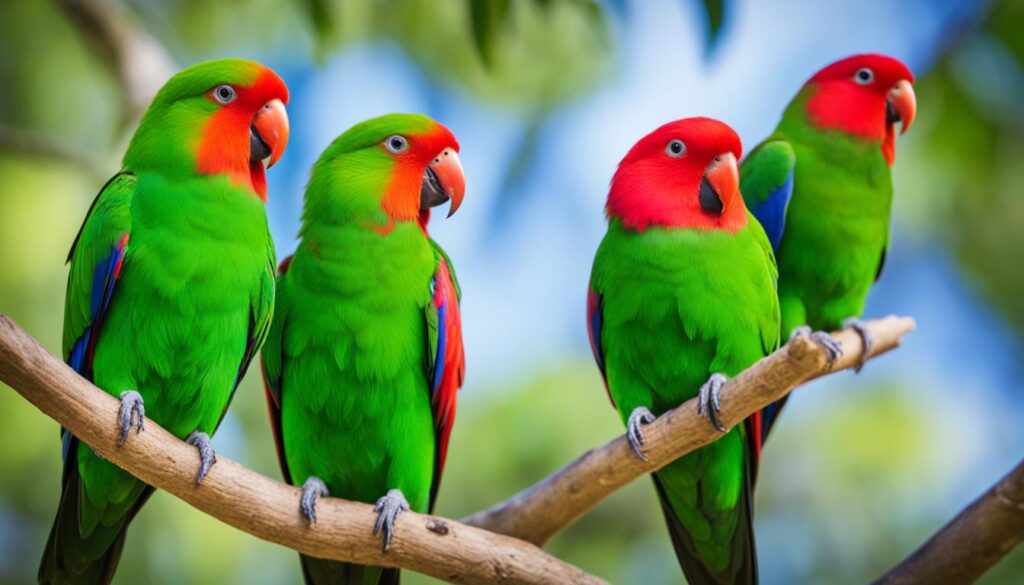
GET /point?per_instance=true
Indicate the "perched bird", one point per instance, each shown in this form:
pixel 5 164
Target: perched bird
pixel 364 356
pixel 682 294
pixel 821 185
pixel 170 290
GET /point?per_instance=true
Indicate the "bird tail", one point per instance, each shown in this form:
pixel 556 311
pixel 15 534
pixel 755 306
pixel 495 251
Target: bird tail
pixel 742 569
pixel 324 572
pixel 71 558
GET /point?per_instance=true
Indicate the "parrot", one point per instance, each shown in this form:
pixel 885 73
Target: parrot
pixel 365 353
pixel 170 291
pixel 821 186
pixel 682 295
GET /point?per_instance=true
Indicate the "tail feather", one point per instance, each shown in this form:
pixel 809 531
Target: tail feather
pixel 71 559
pixel 743 568
pixel 324 572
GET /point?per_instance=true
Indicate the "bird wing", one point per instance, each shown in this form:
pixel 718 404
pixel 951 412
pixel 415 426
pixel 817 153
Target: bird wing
pixel 766 181
pixel 595 306
pixel 446 366
pixel 272 360
pixel 97 260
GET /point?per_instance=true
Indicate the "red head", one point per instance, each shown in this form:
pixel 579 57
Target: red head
pixel 864 95
pixel 427 171
pixel 248 132
pixel 682 175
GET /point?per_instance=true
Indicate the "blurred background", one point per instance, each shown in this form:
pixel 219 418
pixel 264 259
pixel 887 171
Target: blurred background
pixel 545 97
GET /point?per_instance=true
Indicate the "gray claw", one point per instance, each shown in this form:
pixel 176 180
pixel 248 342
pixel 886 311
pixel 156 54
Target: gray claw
pixel 132 413
pixel 865 338
pixel 207 457
pixel 634 433
pixel 388 508
pixel 312 490
pixel 826 341
pixel 709 402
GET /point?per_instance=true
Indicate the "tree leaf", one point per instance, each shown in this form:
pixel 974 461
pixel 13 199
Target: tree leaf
pixel 487 18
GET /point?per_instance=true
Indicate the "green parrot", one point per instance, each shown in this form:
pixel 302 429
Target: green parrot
pixel 682 294
pixel 365 356
pixel 170 291
pixel 821 185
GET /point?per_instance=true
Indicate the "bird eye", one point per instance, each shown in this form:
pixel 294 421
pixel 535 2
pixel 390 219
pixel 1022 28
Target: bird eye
pixel 224 94
pixel 396 144
pixel 675 148
pixel 864 76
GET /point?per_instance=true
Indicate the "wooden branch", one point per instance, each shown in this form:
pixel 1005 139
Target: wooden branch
pixel 542 510
pixel 974 541
pixel 140 61
pixel 263 507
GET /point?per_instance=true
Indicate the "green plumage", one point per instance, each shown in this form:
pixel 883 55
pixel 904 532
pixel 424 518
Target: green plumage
pixel 837 223
pixel 349 349
pixel 679 305
pixel 196 287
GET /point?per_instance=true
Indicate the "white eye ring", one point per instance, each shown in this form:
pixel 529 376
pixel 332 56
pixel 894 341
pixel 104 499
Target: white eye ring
pixel 396 144
pixel 224 94
pixel 864 76
pixel 675 148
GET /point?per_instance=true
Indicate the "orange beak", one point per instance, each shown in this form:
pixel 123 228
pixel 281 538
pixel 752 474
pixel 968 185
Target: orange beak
pixel 901 105
pixel 720 184
pixel 443 181
pixel 268 133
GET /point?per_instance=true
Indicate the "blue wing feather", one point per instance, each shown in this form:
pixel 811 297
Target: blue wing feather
pixel 442 347
pixel 104 279
pixel 772 211
pixel 766 181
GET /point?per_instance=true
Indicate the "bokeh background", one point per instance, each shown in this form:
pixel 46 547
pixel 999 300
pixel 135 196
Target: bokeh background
pixel 545 96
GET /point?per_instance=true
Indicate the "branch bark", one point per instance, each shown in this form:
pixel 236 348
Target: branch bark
pixel 539 512
pixel 974 541
pixel 261 506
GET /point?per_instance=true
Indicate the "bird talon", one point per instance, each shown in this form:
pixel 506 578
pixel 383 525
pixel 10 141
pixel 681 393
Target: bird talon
pixel 388 508
pixel 634 433
pixel 312 490
pixel 709 401
pixel 132 412
pixel 207 456
pixel 826 341
pixel 865 338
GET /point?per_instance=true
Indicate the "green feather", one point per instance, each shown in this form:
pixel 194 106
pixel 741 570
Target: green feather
pixel 837 224
pixel 353 338
pixel 197 277
pixel 677 306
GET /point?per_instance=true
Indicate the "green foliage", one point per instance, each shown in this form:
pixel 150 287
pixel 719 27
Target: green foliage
pixel 714 12
pixel 487 18
pixel 967 153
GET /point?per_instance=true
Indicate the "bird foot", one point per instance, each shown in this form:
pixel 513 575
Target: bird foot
pixel 131 414
pixel 312 490
pixel 388 508
pixel 634 433
pixel 826 341
pixel 865 338
pixel 709 401
pixel 207 457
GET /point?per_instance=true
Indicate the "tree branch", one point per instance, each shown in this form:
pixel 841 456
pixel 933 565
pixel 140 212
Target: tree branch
pixel 539 512
pixel 141 62
pixel 967 547
pixel 259 505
